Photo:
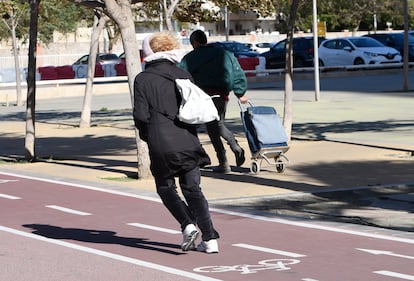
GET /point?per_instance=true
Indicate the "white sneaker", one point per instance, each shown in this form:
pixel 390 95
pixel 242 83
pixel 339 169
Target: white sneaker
pixel 209 247
pixel 190 235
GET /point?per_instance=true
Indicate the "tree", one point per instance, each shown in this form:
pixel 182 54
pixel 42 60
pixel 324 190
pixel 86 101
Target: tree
pixel 34 34
pixel 304 14
pixel 343 14
pixel 12 14
pixel 169 8
pixel 197 11
pixel 15 16
pixel 30 154
pixel 100 20
pixel 261 7
pixel 114 34
pixel 58 15
pixel 287 111
pixel 120 11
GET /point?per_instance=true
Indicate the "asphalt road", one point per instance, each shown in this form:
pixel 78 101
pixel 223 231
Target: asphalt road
pixel 52 230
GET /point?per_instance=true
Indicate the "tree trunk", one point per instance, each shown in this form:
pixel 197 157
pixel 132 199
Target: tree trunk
pixel 121 13
pixel 287 112
pixel 19 101
pixel 31 83
pixel 98 25
pixel 169 11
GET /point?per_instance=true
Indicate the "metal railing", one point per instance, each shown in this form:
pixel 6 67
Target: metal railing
pixel 262 75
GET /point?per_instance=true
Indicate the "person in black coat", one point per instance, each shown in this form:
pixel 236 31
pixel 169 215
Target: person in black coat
pixel 174 147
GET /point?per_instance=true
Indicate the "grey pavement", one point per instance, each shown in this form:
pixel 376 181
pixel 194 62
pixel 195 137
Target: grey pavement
pixel 350 158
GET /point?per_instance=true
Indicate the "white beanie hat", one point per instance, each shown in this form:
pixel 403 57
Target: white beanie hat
pixel 146 49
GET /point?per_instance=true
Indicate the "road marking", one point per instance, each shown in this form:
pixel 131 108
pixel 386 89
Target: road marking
pixel 272 264
pixel 9 196
pixel 142 263
pixel 314 226
pixel 268 250
pixel 6 181
pixel 388 253
pixel 67 210
pixel 222 211
pixel 166 230
pixel 395 274
pixel 63 183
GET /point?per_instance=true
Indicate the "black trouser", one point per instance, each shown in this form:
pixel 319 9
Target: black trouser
pixel 196 210
pixel 217 129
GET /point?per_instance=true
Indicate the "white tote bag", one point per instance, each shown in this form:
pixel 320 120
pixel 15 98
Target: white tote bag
pixel 196 107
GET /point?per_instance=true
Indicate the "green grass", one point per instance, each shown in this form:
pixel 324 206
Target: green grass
pixel 119 179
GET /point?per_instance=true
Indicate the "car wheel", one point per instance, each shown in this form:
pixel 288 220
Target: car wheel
pixel 321 63
pixel 358 61
pixel 298 63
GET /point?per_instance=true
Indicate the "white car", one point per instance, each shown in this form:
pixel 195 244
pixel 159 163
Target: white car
pixel 356 50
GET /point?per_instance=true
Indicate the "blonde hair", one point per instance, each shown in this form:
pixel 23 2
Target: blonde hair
pixel 163 41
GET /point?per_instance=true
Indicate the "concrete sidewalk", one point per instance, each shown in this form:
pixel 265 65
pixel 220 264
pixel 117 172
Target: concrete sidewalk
pixel 348 152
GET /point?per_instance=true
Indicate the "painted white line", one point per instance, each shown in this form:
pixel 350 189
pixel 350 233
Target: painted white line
pixel 386 253
pixel 111 255
pixel 315 226
pixel 9 196
pixel 6 181
pixel 67 210
pixel 84 187
pixel 256 217
pixel 395 274
pixel 166 230
pixel 268 250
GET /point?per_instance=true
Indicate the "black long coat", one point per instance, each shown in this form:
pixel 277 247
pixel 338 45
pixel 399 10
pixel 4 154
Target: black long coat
pixel 174 146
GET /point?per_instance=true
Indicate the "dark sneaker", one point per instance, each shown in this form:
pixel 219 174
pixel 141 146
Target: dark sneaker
pixel 223 168
pixel 239 157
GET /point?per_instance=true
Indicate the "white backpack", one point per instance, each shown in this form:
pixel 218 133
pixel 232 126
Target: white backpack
pixel 196 106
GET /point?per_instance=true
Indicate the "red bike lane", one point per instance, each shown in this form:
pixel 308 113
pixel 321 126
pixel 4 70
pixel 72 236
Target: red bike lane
pixel 139 231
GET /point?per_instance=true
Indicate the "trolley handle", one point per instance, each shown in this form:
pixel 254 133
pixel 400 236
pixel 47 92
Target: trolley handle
pixel 242 108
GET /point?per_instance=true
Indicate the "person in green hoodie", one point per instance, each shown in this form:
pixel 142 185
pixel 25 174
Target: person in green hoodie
pixel 217 72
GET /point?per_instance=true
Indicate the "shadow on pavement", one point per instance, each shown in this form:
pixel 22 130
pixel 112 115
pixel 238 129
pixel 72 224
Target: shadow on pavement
pixel 101 236
pixel 318 130
pixel 385 207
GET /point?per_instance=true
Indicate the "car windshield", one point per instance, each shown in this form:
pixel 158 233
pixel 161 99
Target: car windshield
pixel 364 42
pixel 400 36
pixel 236 47
pixel 109 57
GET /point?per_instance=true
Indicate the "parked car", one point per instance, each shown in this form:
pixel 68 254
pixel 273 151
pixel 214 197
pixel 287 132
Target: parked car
pixel 396 41
pixel 302 53
pixel 259 47
pixel 100 59
pixel 122 56
pixel 239 49
pixel 262 47
pixel 354 51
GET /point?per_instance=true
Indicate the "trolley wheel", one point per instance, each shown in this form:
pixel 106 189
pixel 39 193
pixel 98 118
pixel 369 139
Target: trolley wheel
pixel 255 168
pixel 280 167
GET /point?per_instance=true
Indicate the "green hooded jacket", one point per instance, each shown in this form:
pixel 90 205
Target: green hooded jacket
pixel 215 69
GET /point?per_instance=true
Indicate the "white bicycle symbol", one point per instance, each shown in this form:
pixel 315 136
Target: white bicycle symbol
pixel 273 264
